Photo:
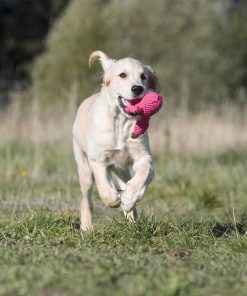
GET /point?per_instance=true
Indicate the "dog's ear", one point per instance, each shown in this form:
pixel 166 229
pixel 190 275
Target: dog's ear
pixel 105 61
pixel 106 79
pixel 153 82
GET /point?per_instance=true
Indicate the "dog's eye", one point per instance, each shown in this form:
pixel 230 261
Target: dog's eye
pixel 143 77
pixel 123 75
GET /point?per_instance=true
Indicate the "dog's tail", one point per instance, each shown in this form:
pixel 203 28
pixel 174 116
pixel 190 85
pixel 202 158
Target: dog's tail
pixel 105 61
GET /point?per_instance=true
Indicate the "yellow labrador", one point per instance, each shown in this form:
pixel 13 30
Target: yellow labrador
pixel 102 141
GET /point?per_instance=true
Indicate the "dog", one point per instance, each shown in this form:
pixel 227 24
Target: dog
pixel 103 148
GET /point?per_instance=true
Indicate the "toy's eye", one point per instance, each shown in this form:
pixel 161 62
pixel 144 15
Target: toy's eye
pixel 123 75
pixel 143 77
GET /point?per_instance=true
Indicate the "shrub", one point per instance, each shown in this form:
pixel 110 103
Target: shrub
pixel 198 48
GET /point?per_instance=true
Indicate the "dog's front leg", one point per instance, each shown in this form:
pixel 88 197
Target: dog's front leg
pixel 123 176
pixel 105 186
pixel 136 187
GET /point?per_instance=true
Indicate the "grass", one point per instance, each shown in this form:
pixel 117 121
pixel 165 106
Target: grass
pixel 49 254
pixel 191 238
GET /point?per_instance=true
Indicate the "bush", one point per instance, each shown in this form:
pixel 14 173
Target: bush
pixel 198 48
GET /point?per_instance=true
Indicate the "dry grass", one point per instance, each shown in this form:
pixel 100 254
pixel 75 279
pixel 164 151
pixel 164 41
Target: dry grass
pixel 206 131
pixel 174 129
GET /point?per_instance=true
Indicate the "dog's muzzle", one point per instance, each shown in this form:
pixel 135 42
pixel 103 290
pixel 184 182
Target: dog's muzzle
pixel 124 103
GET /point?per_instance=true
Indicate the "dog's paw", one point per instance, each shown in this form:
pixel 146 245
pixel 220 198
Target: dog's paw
pixel 127 205
pixel 126 209
pixel 129 197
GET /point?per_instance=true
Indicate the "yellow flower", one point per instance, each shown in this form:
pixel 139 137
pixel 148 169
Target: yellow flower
pixel 9 173
pixel 23 173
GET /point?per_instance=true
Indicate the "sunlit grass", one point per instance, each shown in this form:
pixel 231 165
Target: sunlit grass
pixel 190 238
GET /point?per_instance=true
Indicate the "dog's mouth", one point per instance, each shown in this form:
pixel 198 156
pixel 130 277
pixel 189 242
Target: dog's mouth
pixel 123 103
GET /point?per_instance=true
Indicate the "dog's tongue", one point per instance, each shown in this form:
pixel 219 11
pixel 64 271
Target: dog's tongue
pixel 134 101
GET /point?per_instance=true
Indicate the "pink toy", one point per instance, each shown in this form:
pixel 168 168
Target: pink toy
pixel 146 107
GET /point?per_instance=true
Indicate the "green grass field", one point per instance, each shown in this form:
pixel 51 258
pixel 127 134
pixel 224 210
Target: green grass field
pixel 191 238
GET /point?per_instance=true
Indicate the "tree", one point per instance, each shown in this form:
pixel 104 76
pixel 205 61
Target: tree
pixel 190 45
pixel 23 26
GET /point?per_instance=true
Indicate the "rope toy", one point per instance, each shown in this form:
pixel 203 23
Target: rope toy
pixel 146 106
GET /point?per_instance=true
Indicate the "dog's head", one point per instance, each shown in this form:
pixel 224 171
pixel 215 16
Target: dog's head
pixel 125 79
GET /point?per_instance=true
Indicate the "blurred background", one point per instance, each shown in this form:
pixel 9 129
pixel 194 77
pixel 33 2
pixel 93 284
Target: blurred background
pixel 191 239
pixel 198 49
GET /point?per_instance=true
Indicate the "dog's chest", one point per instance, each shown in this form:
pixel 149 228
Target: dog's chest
pixel 118 153
pixel 122 131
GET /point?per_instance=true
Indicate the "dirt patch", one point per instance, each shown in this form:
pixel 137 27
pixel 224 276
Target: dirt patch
pixel 180 253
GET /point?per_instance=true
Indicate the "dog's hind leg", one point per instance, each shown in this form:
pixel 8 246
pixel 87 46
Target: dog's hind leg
pixel 122 177
pixel 86 180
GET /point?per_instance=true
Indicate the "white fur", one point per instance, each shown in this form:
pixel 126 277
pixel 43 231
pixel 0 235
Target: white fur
pixel 102 139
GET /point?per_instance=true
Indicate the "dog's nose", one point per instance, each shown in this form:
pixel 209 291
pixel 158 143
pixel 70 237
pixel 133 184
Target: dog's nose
pixel 137 89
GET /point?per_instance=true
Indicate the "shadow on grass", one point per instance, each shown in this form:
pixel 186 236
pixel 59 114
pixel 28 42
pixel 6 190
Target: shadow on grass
pixel 224 229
